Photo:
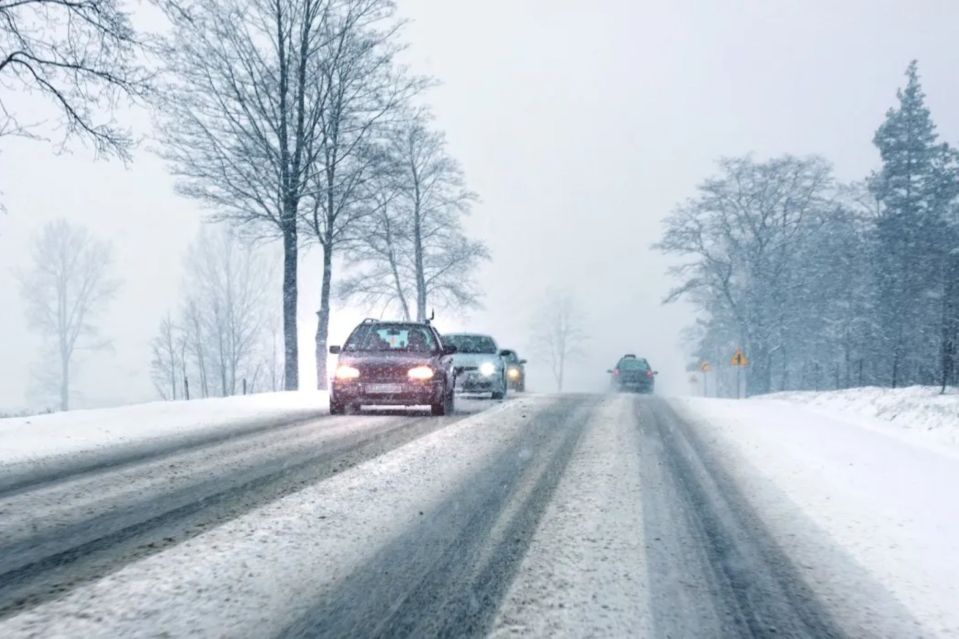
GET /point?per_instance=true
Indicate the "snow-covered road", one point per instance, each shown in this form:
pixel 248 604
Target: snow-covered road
pixel 568 515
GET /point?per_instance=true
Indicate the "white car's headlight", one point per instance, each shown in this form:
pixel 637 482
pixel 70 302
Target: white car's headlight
pixel 487 368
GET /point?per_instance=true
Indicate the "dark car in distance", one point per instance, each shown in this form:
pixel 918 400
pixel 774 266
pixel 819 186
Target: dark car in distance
pixel 632 374
pixel 393 364
pixel 515 370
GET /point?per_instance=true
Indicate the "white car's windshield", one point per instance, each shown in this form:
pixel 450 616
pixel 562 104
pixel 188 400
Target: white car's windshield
pixel 471 344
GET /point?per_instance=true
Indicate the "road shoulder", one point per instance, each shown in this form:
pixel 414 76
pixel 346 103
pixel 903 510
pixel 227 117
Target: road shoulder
pixel 863 515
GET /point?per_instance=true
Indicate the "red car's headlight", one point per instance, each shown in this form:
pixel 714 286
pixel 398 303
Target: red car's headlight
pixel 347 372
pixel 421 372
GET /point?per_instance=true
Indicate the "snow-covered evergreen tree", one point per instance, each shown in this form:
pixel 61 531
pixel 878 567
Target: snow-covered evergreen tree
pixel 915 188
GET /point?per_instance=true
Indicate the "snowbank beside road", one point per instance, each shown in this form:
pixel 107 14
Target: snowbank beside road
pixel 42 445
pixel 919 414
pixel 889 505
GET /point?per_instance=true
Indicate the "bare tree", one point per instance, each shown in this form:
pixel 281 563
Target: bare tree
pixel 242 118
pixel 67 288
pixel 228 331
pixel 194 339
pixel 435 192
pixel 413 246
pixel 380 278
pixel 558 332
pixel 82 55
pixel 272 353
pixel 228 307
pixel 362 90
pixel 166 365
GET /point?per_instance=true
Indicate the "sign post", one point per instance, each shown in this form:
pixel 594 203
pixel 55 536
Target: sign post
pixel 705 368
pixel 740 362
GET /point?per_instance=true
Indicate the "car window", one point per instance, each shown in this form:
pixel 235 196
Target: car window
pixel 414 339
pixel 633 364
pixel 471 343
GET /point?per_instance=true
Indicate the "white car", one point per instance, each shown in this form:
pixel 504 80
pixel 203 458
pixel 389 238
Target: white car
pixel 478 364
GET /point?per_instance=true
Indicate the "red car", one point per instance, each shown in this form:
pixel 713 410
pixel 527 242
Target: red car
pixel 393 364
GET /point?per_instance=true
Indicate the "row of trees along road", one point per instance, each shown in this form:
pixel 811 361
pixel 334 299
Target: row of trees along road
pixel 824 284
pixel 223 341
pixel 290 118
pixel 293 119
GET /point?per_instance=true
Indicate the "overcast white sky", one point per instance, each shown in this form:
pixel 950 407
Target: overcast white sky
pixel 580 124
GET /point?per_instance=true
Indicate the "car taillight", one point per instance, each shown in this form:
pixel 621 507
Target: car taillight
pixel 615 371
pixel 649 374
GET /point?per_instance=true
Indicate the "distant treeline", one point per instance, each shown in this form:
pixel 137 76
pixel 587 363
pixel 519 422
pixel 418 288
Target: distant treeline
pixel 826 285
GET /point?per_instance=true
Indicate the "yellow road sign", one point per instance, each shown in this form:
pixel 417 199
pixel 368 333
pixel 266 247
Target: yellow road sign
pixel 705 367
pixel 739 359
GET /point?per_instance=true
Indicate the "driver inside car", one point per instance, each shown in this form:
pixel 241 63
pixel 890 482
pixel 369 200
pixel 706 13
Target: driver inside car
pixel 417 342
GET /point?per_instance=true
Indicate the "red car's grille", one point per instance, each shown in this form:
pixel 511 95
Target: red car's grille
pixel 384 372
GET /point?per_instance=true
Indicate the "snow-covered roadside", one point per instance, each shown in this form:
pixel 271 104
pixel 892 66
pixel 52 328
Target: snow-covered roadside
pixel 919 414
pixel 888 505
pixel 589 546
pixel 45 444
pixel 258 572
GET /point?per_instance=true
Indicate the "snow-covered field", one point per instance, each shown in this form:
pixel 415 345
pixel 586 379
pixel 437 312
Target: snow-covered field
pixel 918 414
pixel 844 463
pixel 66 440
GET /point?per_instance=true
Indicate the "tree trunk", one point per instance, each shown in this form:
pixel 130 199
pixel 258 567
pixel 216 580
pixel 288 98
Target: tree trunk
pixel 895 364
pixel 323 315
pixel 221 357
pixel 399 289
pixel 950 320
pixel 418 256
pixel 183 372
pixel 291 371
pixel 562 367
pixel 173 363
pixel 758 378
pixel 395 269
pixel 64 382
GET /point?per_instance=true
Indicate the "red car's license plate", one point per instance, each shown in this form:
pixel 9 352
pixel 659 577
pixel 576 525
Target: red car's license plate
pixel 384 389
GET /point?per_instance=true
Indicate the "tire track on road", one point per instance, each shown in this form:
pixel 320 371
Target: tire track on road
pixel 148 528
pixel 447 576
pixel 31 475
pixel 714 569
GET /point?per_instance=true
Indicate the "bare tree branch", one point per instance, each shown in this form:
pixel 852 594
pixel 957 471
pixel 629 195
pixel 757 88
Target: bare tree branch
pixel 84 56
